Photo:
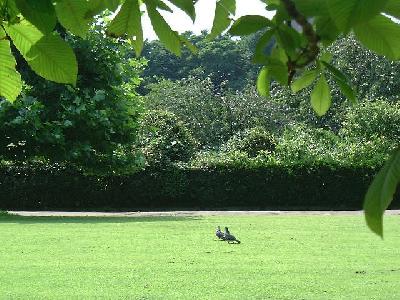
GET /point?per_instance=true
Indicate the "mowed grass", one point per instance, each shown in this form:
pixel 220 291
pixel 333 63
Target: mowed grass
pixel 280 257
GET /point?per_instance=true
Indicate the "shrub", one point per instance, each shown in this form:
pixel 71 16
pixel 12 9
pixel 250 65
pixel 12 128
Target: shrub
pixel 372 119
pixel 164 139
pixel 251 141
pixel 276 186
pixel 214 118
pixel 85 125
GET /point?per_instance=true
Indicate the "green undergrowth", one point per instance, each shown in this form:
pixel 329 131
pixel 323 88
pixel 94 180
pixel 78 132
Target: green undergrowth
pixel 280 257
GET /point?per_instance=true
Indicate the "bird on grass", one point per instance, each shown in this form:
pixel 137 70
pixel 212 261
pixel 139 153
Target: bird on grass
pixel 219 234
pixel 230 237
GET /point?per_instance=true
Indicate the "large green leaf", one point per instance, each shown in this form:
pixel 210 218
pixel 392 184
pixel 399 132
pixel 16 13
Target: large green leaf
pixel 49 56
pixel 321 97
pixel 186 6
pixel 347 13
pixel 326 29
pixel 97 6
pixel 278 71
pixel 306 79
pixel 10 79
pixel 393 8
pixel 72 14
pixel 263 82
pixel 52 58
pixel 223 10
pixel 167 36
pixel 343 82
pixel 2 33
pixel 381 35
pixel 128 21
pixel 277 65
pixel 249 24
pixel 24 36
pixel 380 193
pixel 311 8
pixel 259 53
pixel 38 12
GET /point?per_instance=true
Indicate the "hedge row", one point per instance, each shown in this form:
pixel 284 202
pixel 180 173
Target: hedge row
pixel 276 187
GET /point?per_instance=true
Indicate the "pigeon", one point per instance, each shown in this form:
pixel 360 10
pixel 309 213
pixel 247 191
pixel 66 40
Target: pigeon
pixel 229 237
pixel 219 234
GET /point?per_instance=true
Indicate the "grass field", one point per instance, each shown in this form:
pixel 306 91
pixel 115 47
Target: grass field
pixel 280 257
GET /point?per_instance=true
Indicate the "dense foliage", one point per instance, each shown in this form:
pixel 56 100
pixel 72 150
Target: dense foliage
pixel 164 139
pixel 87 125
pixel 224 61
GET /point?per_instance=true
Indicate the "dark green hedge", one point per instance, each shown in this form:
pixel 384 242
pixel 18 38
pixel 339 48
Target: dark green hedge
pixel 276 187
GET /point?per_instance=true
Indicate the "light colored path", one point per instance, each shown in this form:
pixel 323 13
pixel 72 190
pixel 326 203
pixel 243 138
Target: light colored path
pixel 187 213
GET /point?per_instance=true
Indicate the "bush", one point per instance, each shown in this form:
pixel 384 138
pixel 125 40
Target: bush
pixel 213 119
pixel 251 141
pixel 371 119
pixel 277 186
pixel 164 139
pixel 85 125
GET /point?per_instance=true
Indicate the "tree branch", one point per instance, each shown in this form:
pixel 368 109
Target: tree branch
pixel 312 50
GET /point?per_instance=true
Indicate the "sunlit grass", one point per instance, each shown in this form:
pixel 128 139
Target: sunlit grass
pixel 280 257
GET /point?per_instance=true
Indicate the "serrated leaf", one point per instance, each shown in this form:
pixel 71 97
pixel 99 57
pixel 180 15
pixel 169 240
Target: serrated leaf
pixel 380 193
pixel 72 16
pixel 128 21
pixel 10 79
pixel 306 79
pixel 347 13
pixel 381 35
pixel 49 56
pixel 24 36
pixel 263 82
pixel 246 25
pixel 38 12
pixel 52 58
pixel 223 10
pixel 186 6
pixel 167 36
pixel 321 99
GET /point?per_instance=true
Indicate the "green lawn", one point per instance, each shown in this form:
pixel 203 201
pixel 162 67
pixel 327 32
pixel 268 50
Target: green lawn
pixel 305 257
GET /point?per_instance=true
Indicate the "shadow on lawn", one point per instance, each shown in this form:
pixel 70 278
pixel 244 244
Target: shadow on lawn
pixel 89 220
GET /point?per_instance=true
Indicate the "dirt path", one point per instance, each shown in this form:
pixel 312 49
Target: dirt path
pixel 189 213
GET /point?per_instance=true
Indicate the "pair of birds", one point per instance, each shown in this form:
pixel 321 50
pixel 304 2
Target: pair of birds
pixel 226 236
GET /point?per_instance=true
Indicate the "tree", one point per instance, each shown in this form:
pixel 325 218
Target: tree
pixel 301 28
pixel 91 125
pixel 213 60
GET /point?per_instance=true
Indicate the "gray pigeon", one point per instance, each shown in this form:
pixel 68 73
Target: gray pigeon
pixel 219 234
pixel 229 237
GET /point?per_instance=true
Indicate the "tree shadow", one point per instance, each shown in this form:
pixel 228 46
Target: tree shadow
pixel 91 220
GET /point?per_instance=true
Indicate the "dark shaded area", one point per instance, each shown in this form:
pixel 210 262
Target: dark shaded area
pixel 275 187
pixel 88 220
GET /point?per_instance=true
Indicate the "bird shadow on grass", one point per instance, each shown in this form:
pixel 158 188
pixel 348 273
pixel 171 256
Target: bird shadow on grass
pixel 91 220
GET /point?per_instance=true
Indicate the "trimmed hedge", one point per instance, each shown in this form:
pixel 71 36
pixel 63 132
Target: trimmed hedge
pixel 276 187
